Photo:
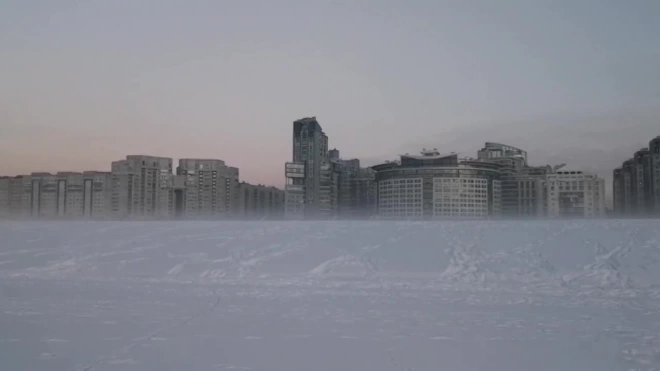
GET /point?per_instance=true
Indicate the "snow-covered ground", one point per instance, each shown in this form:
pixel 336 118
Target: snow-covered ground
pixel 330 296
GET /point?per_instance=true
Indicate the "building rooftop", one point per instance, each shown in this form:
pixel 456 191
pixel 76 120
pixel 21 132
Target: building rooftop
pixel 428 157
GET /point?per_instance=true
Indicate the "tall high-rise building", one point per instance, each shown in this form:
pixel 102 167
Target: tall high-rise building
pixel 328 196
pixel 142 188
pixel 636 183
pixel 654 174
pixel 629 208
pixel 232 191
pixel 205 188
pixel 310 175
pixel 618 192
pixel 522 185
pixel 641 182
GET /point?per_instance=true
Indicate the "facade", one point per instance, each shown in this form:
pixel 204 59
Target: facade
pixel 522 185
pixel 654 175
pixel 523 195
pixel 4 197
pixel 295 190
pixel 543 191
pixel 642 182
pixel 142 188
pixel 618 192
pixel 260 202
pixel 434 186
pixel 309 188
pixel 65 195
pixel 88 195
pixel 499 183
pixel 328 196
pixel 232 205
pixel 15 197
pixel 205 191
pixel 357 190
pixel 636 184
pixel 139 187
pixel 575 194
pixel 628 170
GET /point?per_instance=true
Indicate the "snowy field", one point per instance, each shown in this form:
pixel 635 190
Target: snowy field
pixel 334 296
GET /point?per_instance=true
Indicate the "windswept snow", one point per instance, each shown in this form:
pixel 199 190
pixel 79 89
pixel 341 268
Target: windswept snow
pixel 541 295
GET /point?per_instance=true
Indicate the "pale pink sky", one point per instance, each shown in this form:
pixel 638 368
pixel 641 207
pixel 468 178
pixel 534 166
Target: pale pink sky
pixel 86 83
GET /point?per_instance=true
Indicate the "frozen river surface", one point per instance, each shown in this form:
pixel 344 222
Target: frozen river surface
pixel 335 296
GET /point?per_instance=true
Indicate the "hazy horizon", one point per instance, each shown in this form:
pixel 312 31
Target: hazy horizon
pixel 85 84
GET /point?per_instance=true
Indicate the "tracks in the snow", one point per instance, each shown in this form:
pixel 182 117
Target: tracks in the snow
pixel 201 314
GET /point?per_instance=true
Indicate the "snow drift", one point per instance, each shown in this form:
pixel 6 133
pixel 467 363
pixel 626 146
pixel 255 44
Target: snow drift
pixel 541 295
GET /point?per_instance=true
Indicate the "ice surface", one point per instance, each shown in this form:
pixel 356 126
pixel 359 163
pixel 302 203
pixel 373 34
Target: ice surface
pixel 329 296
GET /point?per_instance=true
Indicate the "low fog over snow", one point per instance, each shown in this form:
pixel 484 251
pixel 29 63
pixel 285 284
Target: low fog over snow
pixel 329 296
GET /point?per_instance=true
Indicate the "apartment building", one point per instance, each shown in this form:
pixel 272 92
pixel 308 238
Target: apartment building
pixel 138 187
pixel 654 175
pixel 260 202
pixel 232 194
pixel 357 190
pixel 574 194
pixel 5 197
pixel 65 195
pixel 205 188
pixel 142 188
pixel 86 195
pixel 309 175
pixel 636 183
pixel 523 192
pixel 438 186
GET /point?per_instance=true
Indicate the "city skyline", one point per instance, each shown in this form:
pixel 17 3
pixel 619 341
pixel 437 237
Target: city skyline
pixel 140 187
pixel 199 81
pixel 606 173
pixel 498 182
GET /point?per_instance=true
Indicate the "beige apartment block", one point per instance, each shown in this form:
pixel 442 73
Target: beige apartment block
pixel 232 201
pixel 86 195
pixel 15 197
pixel 575 194
pixel 4 197
pixel 59 196
pixel 142 188
pixel 205 193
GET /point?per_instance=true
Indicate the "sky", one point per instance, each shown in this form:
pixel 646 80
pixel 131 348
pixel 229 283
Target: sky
pixel 84 83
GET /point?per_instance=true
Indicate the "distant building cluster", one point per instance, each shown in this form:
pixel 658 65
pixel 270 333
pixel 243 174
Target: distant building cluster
pixel 320 184
pixel 636 184
pixel 141 188
pixel 498 183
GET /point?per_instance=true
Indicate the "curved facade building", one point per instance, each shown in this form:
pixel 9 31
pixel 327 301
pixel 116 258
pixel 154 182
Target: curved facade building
pixel 434 186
